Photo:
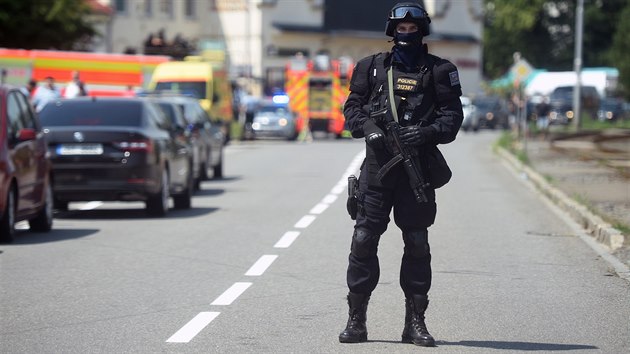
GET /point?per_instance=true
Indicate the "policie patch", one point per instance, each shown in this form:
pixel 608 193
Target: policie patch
pixel 454 76
pixel 406 84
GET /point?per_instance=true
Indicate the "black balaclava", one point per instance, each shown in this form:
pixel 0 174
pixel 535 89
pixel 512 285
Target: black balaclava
pixel 407 48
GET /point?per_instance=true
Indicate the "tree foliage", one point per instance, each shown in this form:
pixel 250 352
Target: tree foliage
pixel 543 31
pixel 45 24
pixel 621 48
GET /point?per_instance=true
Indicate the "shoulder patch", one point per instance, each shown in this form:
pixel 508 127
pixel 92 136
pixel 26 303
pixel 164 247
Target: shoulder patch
pixel 454 76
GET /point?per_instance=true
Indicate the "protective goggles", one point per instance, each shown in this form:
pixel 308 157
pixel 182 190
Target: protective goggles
pixel 399 13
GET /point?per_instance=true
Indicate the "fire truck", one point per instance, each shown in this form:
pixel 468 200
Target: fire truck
pixel 317 89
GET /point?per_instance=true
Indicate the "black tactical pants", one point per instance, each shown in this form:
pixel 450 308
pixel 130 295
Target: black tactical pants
pixel 413 218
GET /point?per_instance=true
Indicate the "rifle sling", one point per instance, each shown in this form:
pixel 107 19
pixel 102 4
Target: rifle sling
pixel 383 171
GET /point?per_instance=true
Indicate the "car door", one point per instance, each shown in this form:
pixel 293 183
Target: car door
pixel 176 151
pixel 23 153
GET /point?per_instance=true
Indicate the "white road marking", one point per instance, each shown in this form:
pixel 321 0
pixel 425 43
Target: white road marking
pixel 304 221
pixel 193 327
pixel 338 189
pixel 287 239
pixel 91 205
pixel 231 294
pixel 319 208
pixel 261 265
pixel 329 199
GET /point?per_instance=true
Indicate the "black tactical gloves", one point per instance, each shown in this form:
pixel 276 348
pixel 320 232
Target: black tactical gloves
pixel 413 135
pixel 374 135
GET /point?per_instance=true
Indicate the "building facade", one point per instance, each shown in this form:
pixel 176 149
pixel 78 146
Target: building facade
pixel 259 36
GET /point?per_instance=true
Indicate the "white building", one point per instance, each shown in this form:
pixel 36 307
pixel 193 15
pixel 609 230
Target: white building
pixel 259 36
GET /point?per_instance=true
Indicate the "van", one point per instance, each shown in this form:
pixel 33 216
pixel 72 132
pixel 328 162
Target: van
pixel 199 79
pixel 561 100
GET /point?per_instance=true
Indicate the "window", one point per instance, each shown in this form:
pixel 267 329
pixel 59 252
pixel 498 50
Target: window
pixel 148 8
pixel 166 8
pixel 121 6
pixel 14 115
pixel 189 9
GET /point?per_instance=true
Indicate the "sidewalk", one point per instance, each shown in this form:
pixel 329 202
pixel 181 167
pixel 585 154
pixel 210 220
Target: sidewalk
pixel 588 176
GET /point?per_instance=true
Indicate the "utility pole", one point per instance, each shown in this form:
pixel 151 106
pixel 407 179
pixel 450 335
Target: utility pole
pixel 577 61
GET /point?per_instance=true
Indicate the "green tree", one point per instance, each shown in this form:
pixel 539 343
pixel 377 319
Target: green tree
pixel 543 31
pixel 621 48
pixel 45 24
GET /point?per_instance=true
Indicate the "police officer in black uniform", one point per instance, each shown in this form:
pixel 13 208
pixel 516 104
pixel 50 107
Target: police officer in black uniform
pixel 426 92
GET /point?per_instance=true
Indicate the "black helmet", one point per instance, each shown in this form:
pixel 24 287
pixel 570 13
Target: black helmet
pixel 408 12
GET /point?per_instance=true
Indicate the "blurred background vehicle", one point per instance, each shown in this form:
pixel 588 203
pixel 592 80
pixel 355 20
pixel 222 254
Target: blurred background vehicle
pixel 25 185
pixel 471 120
pixel 116 149
pixel 610 110
pixel 561 100
pixel 207 134
pixel 274 118
pixel 491 112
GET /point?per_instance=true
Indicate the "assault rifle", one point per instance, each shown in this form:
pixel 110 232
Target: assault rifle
pixel 408 157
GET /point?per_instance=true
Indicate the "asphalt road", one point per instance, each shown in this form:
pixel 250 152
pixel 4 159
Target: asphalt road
pixel 258 265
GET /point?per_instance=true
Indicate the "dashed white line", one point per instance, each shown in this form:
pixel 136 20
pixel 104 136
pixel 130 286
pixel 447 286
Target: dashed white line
pixel 319 208
pixel 193 327
pixel 338 189
pixel 231 294
pixel 304 222
pixel 261 265
pixel 287 239
pixel 329 199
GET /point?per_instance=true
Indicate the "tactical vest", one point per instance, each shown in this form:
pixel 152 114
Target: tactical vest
pixel 414 92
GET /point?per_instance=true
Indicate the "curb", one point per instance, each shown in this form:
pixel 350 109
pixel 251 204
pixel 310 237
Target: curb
pixel 600 230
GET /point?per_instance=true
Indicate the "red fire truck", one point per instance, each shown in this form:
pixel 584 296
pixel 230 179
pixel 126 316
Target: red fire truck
pixel 317 89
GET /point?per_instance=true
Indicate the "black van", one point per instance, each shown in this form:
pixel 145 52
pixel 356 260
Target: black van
pixel 561 100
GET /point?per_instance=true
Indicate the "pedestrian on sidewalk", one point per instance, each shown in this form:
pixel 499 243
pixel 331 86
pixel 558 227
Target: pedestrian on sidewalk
pixel 421 92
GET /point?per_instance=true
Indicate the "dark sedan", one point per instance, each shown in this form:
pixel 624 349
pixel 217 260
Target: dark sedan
pixel 491 112
pixel 116 149
pixel 25 191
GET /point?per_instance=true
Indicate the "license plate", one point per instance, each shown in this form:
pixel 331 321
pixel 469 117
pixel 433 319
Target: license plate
pixel 80 149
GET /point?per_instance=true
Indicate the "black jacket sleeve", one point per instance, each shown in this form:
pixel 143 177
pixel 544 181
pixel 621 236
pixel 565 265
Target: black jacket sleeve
pixel 355 108
pixel 448 107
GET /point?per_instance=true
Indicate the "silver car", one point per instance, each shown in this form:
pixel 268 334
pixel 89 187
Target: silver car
pixel 274 120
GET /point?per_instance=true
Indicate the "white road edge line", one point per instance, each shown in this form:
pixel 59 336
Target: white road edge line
pixel 231 294
pixel 193 327
pixel 261 265
pixel 305 221
pixel 287 239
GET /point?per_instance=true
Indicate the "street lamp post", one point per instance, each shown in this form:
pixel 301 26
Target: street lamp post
pixel 577 61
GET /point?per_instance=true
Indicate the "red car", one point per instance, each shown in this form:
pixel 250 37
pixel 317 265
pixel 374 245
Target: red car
pixel 25 169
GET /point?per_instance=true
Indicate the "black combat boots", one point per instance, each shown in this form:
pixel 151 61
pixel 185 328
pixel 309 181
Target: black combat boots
pixel 356 331
pixel 415 330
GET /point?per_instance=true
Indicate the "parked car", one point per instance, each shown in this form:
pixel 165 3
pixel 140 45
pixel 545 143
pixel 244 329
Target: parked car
pixel 561 100
pixel 610 110
pixel 183 133
pixel 205 132
pixel 491 112
pixel 274 118
pixel 471 120
pixel 116 149
pixel 25 188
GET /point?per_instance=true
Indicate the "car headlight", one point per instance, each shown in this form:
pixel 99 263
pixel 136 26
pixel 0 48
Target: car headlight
pixel 282 122
pixel 569 114
pixel 489 116
pixel 255 125
pixel 609 115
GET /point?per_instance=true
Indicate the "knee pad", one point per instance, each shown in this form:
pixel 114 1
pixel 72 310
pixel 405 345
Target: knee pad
pixel 417 243
pixel 364 244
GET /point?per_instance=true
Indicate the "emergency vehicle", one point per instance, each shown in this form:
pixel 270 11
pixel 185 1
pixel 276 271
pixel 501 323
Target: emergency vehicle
pixel 103 74
pixel 317 90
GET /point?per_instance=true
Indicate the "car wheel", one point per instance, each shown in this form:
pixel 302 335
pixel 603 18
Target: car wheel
pixel 183 200
pixel 44 219
pixel 218 169
pixel 157 204
pixel 203 172
pixel 7 220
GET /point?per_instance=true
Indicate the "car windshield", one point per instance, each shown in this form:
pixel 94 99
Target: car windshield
pixel 486 103
pixel 273 110
pixel 92 113
pixel 196 89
